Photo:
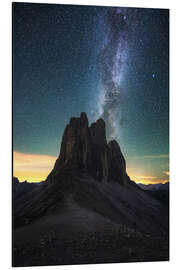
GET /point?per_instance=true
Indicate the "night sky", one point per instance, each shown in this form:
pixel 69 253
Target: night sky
pixel 109 62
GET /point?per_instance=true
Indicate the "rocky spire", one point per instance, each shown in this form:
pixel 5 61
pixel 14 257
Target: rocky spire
pixel 116 163
pixel 85 149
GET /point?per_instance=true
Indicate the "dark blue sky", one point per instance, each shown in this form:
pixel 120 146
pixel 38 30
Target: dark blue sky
pixel 108 62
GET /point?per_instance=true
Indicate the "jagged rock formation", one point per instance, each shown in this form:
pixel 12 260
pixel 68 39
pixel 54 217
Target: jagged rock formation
pixel 86 149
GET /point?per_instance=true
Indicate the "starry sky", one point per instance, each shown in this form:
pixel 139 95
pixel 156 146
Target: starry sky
pixel 109 62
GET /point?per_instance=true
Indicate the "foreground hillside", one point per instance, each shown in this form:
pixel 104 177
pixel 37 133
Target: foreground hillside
pixel 94 231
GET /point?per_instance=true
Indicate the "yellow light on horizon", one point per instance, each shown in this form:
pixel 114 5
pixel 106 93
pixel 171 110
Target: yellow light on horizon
pixel 32 167
pixel 146 179
pixel 35 168
pixel 147 182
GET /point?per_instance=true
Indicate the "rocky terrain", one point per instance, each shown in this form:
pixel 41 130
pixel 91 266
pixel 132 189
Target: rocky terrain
pixel 88 210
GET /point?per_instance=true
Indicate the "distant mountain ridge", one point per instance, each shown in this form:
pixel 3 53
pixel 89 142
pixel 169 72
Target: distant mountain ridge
pixel 21 188
pixel 155 187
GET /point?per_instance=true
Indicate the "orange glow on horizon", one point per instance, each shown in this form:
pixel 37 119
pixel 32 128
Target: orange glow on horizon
pixel 147 182
pixel 35 168
pixel 32 167
pixel 146 179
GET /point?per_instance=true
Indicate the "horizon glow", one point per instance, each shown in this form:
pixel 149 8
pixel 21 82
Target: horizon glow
pixel 35 168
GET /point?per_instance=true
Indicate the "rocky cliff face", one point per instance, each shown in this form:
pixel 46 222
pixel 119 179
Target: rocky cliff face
pixel 85 148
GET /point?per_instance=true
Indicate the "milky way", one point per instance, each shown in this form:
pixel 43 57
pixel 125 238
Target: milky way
pixel 113 57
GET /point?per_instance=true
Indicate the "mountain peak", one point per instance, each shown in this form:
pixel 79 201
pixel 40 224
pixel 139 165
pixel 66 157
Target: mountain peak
pixel 101 122
pixel 84 119
pixel 86 150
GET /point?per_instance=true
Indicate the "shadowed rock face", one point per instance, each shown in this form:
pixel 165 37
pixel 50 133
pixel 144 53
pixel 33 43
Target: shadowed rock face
pixel 86 149
pixel 116 163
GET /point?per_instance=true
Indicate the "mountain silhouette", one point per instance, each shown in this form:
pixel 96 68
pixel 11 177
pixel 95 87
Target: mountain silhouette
pixel 85 149
pixel 88 195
